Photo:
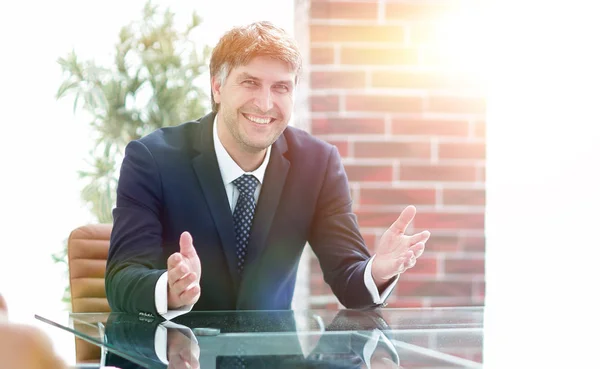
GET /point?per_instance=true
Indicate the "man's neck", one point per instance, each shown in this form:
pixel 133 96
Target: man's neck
pixel 248 161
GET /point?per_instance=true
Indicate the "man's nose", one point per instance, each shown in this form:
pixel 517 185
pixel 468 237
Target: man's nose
pixel 264 100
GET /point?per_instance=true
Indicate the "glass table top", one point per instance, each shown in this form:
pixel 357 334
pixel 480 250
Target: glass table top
pixel 381 338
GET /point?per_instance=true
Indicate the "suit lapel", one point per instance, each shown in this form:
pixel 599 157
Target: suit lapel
pixel 208 174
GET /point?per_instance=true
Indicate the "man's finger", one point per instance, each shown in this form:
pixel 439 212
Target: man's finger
pixel 191 295
pixel 190 354
pixel 173 260
pixel 184 283
pixel 420 237
pixel 411 262
pixel 177 273
pixel 186 245
pixel 418 249
pixel 407 215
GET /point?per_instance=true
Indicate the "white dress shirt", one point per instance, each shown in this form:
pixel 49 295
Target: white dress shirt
pixel 230 170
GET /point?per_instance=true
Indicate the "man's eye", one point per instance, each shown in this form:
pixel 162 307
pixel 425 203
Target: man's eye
pixel 281 88
pixel 250 82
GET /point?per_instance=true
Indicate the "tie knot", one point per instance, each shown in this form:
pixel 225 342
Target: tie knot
pixel 246 184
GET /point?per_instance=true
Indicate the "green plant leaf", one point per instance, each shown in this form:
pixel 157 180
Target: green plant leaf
pixel 153 82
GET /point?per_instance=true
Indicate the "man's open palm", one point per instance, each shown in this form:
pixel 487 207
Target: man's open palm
pixel 396 252
pixel 184 271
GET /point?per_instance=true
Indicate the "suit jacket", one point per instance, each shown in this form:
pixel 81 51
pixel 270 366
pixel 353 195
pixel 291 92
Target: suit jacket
pixel 170 183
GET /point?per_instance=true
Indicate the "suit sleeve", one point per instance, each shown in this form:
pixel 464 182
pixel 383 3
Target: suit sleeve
pixel 135 258
pixel 336 240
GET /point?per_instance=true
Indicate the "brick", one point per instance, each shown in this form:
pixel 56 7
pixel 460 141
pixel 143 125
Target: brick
pixel 425 34
pixel 421 11
pixel 386 149
pixel 368 173
pixel 454 104
pixel 347 33
pixel 434 56
pixel 330 306
pixel 382 219
pixel 397 196
pixel 419 80
pixel 322 55
pixel 433 288
pixel 430 127
pixel 374 103
pixel 426 265
pixel 356 126
pixel 337 79
pixel 318 286
pixel 342 147
pixel 468 197
pixel 429 220
pixel 481 174
pixel 370 239
pixel 479 290
pixel 343 10
pixel 480 128
pixel 379 56
pixel 324 103
pixel 463 150
pixel 439 243
pixel 448 173
pixel 464 266
pixel 474 243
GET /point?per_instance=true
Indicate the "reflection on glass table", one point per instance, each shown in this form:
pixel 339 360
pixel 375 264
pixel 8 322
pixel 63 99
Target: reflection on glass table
pixel 382 338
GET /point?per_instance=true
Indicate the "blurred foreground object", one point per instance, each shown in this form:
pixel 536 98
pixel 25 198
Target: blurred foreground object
pixel 25 347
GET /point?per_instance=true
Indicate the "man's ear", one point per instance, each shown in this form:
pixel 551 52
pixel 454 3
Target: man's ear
pixel 215 85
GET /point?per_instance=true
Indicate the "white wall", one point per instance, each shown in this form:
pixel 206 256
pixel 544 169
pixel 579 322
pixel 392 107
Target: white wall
pixel 543 191
pixel 43 144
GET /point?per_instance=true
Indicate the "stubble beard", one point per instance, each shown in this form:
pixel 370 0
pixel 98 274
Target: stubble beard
pixel 234 128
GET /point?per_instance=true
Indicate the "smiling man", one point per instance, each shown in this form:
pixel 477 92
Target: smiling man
pixel 214 214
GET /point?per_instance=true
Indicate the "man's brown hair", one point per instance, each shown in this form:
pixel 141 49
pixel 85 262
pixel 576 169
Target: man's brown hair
pixel 241 44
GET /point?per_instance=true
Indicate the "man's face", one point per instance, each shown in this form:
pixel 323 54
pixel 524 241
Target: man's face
pixel 256 102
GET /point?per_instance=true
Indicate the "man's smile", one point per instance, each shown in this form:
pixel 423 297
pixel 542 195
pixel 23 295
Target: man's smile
pixel 258 119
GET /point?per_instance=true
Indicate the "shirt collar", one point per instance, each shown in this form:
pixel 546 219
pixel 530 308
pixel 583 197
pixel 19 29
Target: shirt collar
pixel 229 168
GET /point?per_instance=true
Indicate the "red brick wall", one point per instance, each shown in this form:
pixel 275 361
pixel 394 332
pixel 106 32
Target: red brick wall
pixel 411 131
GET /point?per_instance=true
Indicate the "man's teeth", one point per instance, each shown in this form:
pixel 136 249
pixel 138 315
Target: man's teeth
pixel 258 120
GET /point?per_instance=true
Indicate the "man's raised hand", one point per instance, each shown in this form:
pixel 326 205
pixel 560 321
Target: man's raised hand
pixel 183 271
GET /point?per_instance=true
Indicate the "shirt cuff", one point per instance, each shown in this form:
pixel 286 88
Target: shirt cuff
pixel 372 287
pixel 375 337
pixel 160 339
pixel 370 347
pixel 161 300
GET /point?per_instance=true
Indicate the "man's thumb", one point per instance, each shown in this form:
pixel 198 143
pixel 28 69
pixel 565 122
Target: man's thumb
pixel 186 244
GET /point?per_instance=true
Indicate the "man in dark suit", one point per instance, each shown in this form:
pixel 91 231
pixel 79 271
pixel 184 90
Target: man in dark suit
pixel 234 197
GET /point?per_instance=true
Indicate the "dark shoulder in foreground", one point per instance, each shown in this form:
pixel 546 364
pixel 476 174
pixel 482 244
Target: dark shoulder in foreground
pixel 179 137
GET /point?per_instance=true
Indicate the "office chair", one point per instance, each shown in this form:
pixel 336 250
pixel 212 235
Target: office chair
pixel 87 252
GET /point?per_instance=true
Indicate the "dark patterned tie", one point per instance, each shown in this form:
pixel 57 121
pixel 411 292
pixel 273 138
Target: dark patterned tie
pixel 243 215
